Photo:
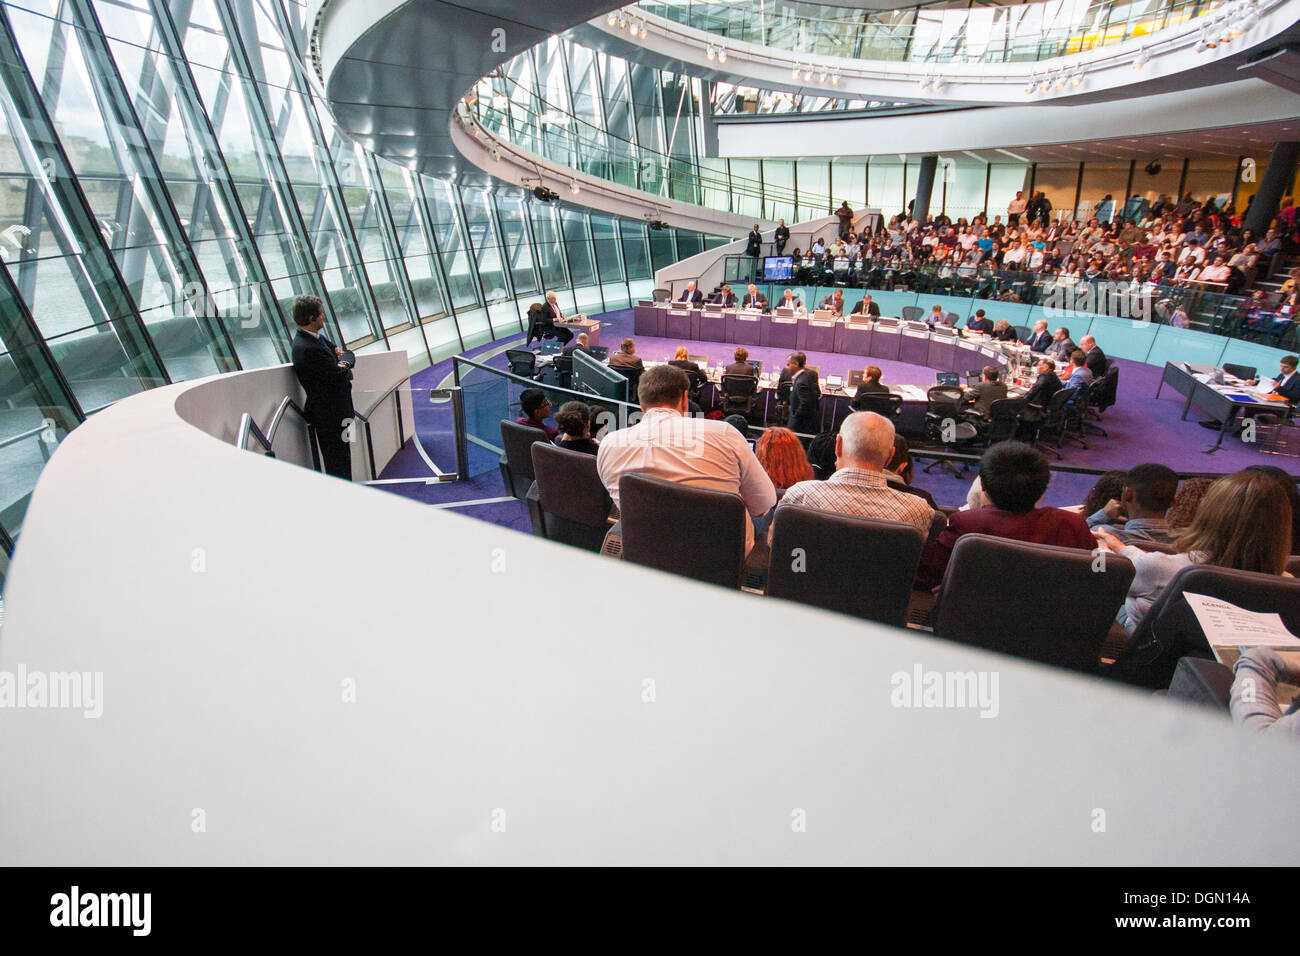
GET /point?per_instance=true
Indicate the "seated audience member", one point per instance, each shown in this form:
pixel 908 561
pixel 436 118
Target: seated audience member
pixel 626 356
pixel 1094 357
pixel 1141 506
pixel 1108 487
pixel 536 408
pixel 1243 523
pixel 866 307
pixel 821 454
pixel 695 451
pixel 681 360
pixel 574 419
pixel 1062 346
pixel 1076 374
pixel 1040 393
pixel 870 384
pixel 979 323
pixel 740 423
pixel 1041 340
pixel 740 365
pixel 863 447
pixel 1292 494
pixel 1013 476
pixel 899 469
pixel 781 454
pixel 1187 501
pixel 988 390
pixel 577 345
pixel 1254 700
pixel 1003 332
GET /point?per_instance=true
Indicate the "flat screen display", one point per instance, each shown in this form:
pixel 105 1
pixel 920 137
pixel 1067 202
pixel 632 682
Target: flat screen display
pixel 778 268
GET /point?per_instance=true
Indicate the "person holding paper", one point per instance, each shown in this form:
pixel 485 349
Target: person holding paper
pixel 1288 382
pixel 1254 703
pixel 1244 522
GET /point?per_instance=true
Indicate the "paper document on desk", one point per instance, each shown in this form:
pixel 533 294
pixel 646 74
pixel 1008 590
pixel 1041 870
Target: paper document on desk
pixel 1226 625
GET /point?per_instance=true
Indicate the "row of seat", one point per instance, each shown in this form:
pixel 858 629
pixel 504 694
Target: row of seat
pixel 993 595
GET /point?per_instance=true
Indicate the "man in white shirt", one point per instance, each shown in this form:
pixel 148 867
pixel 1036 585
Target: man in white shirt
pixel 694 451
pixel 859 486
pixel 1016 208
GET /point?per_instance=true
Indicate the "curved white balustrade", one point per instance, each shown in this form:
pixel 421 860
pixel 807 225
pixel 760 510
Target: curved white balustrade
pixel 300 670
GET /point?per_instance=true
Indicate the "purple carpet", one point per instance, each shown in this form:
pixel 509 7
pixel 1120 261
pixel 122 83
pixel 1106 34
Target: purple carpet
pixel 1140 428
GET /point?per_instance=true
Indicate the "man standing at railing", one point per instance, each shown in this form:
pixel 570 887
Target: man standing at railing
pixel 327 379
pixel 845 215
pixel 781 237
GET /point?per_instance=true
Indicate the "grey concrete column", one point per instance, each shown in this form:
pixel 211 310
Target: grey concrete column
pixel 924 186
pixel 1277 177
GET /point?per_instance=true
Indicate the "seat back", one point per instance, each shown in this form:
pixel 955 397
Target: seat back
pixel 662 295
pixel 574 503
pixel 517 440
pixel 633 376
pixel 882 403
pixel 522 362
pixel 739 386
pixel 950 319
pixel 858 566
pixel 1103 392
pixel 1170 629
pixel 1240 371
pixel 1058 406
pixel 695 532
pixel 912 313
pixel 563 365
pixel 987 600
pixel 1023 332
pixel 1004 419
pixel 944 401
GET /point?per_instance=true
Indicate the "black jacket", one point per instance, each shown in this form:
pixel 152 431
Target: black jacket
pixel 760 301
pixel 1096 362
pixel 805 403
pixel 755 243
pixel 872 309
pixel 1040 342
pixel 740 368
pixel 328 387
pixel 1043 389
pixel 1290 388
pixel 694 298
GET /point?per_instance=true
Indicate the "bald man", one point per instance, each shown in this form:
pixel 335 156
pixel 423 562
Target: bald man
pixel 859 486
pixel 1093 357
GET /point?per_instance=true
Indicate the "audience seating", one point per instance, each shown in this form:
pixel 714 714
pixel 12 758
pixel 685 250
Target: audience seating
pixel 695 532
pixel 993 596
pixel 1198 681
pixel 1170 629
pixel 858 566
pixel 516 463
pixel 573 505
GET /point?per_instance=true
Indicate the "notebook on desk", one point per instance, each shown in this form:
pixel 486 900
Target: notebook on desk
pixel 834 382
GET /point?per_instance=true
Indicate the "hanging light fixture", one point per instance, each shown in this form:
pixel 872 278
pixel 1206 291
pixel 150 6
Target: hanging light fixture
pixel 1141 59
pixel 835 79
pixel 722 54
pixel 612 18
pixel 574 188
pixel 711 53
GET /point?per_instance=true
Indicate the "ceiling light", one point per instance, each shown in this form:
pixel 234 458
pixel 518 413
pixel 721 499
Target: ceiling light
pixel 711 54
pixel 835 79
pixel 936 83
pixel 1077 79
pixel 808 74
pixel 1031 85
pixel 923 83
pixel 1060 80
pixel 722 54
pixel 574 188
pixel 612 18
pixel 622 21
pixel 794 75
pixel 1045 84
pixel 821 78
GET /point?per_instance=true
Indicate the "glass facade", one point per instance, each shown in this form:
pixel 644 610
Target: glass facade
pixel 171 179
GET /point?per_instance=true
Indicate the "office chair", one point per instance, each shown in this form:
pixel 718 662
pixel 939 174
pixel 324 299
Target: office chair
pixel 738 394
pixel 1239 371
pixel 912 313
pixel 882 403
pixel 694 532
pixel 523 362
pixel 1054 421
pixel 572 501
pixel 1003 421
pixel 944 424
pixel 662 295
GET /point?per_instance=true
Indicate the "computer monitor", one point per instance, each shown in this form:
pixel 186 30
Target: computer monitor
pixel 855 377
pixel 834 381
pixel 551 346
pixel 600 352
pixel 778 268
pixel 701 360
pixel 592 376
pixel 757 366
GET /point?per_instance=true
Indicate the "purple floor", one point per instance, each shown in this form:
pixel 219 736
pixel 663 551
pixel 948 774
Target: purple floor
pixel 1140 429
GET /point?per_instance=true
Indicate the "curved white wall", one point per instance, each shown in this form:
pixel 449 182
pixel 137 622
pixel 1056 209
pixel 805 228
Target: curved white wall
pixel 477 703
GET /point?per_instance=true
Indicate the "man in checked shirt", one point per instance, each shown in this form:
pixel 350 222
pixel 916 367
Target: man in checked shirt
pixel 859 487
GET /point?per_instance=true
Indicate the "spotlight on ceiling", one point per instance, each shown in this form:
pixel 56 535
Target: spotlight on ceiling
pixel 1031 85
pixel 574 188
pixel 543 194
pixel 794 74
pixel 1141 59
pixel 923 83
pixel 612 18
pixel 835 79
pixel 711 53
pixel 936 83
pixel 722 54
pixel 657 224
pixel 1077 79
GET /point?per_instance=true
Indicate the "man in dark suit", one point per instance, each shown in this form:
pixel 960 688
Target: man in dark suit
pixel 1062 346
pixel 550 313
pixel 979 322
pixel 1039 395
pixel 577 345
pixel 1288 382
pixel 805 396
pixel 326 377
pixel 754 299
pixel 1094 358
pixel 835 303
pixel 866 307
pixel 788 301
pixel 1041 340
pixel 986 392
pixel 781 236
pixel 725 298
pixel 741 364
pixel 691 295
pixel 755 242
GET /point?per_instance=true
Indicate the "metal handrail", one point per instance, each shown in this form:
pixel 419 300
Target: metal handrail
pixel 286 403
pixel 14 439
pixel 249 427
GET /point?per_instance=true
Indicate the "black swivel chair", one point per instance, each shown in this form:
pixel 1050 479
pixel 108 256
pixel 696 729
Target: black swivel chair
pixel 563 365
pixel 522 362
pixel 1003 421
pixel 1023 332
pixel 633 376
pixel 858 566
pixel 695 532
pixel 944 424
pixel 782 410
pixel 1170 629
pixel 882 403
pixel 1240 371
pixel 1054 421
pixel 974 609
pixel 572 501
pixel 1101 396
pixel 517 462
pixel 738 394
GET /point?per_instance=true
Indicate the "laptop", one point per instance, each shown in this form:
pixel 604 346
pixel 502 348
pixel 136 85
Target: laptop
pixel 701 360
pixel 834 382
pixel 600 352
pixel 551 347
